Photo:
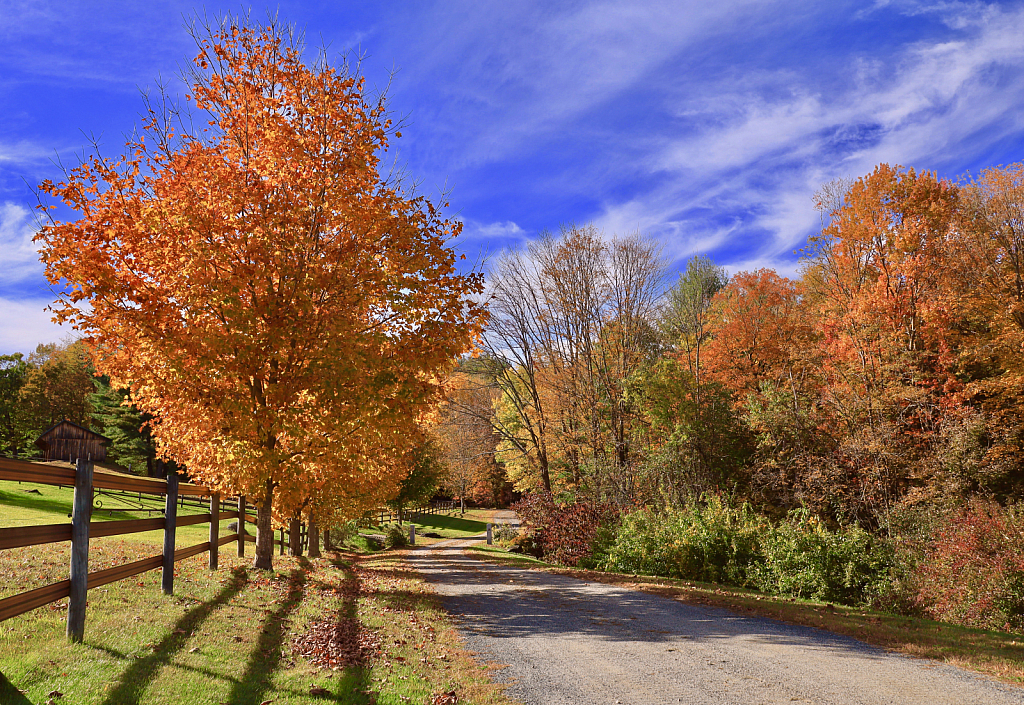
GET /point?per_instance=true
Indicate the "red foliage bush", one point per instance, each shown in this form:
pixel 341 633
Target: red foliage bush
pixel 536 510
pixel 974 572
pixel 570 537
pixel 566 534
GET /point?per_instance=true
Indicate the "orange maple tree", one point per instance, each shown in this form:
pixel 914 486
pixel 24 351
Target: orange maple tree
pixel 280 308
pixel 760 329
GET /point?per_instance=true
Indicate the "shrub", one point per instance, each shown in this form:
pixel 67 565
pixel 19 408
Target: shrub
pixel 395 537
pixel 714 542
pixel 569 537
pixel 709 542
pixel 536 510
pixel 344 532
pixel 527 543
pixel 804 558
pixel 578 534
pixel 974 573
pixel 505 533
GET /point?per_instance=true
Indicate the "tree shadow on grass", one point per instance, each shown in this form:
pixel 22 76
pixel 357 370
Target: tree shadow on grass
pixel 136 678
pixel 10 695
pixel 23 500
pixel 266 657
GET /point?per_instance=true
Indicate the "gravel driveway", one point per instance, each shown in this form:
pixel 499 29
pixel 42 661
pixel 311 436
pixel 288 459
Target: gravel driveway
pixel 567 641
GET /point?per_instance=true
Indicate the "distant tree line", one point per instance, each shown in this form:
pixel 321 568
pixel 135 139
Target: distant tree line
pixel 887 373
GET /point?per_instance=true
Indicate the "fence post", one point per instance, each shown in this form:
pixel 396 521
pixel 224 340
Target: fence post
pixel 214 529
pixel 241 526
pixel 328 546
pixel 295 538
pixel 412 534
pixel 170 524
pixel 282 541
pixel 489 535
pixel 313 532
pixel 81 513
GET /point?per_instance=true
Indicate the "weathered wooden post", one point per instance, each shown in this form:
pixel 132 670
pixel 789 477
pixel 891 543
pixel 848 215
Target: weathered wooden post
pixel 295 537
pixel 490 535
pixel 328 546
pixel 81 514
pixel 412 534
pixel 314 539
pixel 282 541
pixel 214 529
pixel 241 526
pixel 170 525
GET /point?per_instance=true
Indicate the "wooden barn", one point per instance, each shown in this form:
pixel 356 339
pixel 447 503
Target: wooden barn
pixel 69 441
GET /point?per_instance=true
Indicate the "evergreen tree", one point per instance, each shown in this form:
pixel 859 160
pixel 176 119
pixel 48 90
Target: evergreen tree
pixel 116 418
pixel 13 370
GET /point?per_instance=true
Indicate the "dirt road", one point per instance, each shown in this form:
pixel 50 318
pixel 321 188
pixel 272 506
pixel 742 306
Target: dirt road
pixel 567 641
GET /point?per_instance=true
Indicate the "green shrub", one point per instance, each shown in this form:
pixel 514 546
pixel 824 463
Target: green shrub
pixel 715 542
pixel 343 533
pixel 708 542
pixel 803 558
pixel 395 537
pixel 505 533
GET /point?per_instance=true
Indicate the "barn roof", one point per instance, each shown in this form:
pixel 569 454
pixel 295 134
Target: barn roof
pixel 52 431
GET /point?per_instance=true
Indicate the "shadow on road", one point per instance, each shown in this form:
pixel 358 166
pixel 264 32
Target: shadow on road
pixel 511 602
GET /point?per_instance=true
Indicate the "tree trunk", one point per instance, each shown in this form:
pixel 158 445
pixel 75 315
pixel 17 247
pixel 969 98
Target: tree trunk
pixel 264 559
pixel 295 537
pixel 314 540
pixel 328 546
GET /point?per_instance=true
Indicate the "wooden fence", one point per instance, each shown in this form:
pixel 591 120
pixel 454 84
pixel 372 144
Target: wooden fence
pixel 384 515
pixel 82 528
pixel 87 485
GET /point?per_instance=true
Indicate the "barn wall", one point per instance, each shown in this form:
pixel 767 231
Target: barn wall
pixel 75 448
pixel 69 442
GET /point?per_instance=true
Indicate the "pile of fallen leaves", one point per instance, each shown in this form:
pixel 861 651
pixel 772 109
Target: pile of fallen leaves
pixel 337 644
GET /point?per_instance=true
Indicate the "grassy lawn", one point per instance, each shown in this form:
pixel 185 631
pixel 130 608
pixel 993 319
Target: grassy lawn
pixel 454 524
pixel 353 627
pixel 993 653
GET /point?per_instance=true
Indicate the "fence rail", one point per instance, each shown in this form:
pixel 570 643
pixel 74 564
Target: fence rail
pixel 82 528
pixel 385 515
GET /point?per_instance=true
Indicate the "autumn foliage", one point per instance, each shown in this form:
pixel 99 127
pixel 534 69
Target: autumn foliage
pixel 244 268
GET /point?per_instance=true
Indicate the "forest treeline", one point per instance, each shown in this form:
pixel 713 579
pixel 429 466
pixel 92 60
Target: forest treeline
pixel 879 390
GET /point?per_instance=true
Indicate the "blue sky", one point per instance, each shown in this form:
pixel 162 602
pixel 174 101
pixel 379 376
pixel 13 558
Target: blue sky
pixel 706 125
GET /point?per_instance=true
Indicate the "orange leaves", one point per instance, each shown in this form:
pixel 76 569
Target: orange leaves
pixel 761 331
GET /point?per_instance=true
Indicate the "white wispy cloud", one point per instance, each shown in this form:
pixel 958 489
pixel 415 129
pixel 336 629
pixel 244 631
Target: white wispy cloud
pixel 23 152
pixel 26 323
pixel 763 152
pixel 19 256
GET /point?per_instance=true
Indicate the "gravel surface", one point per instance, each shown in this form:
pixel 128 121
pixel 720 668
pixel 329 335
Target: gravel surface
pixel 563 640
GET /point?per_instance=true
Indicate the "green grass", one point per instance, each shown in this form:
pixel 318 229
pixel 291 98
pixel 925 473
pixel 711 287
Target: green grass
pixel 31 567
pixel 450 526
